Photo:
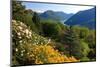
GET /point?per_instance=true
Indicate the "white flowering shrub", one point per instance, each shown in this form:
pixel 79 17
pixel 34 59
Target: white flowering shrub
pixel 22 37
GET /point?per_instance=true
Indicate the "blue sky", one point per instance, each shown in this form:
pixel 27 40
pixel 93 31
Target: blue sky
pixel 41 7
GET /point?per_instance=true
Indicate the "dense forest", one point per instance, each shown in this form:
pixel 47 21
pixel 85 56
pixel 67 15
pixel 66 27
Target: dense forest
pixel 38 41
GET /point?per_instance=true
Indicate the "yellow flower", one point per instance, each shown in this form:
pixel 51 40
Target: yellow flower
pixel 47 54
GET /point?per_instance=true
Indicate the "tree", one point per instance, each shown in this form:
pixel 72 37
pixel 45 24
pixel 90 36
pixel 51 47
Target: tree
pixel 18 11
pixel 73 41
pixel 36 19
pixel 51 29
pixel 85 48
pixel 91 40
pixel 84 32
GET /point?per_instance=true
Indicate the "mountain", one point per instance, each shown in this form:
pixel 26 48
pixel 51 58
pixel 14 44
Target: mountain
pixel 57 16
pixel 86 18
pixel 63 16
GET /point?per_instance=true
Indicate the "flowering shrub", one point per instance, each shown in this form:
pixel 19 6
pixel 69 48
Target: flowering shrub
pixel 24 34
pixel 31 48
pixel 47 54
pixel 21 37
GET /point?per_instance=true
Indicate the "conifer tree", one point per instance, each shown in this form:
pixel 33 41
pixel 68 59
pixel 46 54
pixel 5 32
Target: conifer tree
pixel 72 39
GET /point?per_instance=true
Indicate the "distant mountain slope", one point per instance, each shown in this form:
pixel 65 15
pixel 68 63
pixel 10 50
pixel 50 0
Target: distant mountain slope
pixel 57 16
pixel 85 18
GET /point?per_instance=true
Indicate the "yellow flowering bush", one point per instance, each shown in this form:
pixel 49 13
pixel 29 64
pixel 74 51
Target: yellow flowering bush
pixel 42 54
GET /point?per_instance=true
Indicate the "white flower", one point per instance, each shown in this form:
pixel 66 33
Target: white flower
pixel 20 37
pixel 22 24
pixel 27 36
pixel 20 27
pixel 49 41
pixel 26 31
pixel 19 33
pixel 24 50
pixel 20 41
pixel 16 50
pixel 28 53
pixel 30 33
pixel 22 54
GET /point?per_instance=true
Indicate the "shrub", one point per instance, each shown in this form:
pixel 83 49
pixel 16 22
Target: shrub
pixel 47 54
pixel 21 37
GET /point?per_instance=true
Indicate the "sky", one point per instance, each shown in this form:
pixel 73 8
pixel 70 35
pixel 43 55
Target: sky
pixel 41 7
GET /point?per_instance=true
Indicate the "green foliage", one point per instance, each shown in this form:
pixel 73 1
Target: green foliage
pixel 50 29
pixel 36 19
pixel 85 48
pixel 30 23
pixel 18 11
pixel 73 43
pixel 84 59
pixel 91 39
pixel 60 46
pixel 82 32
pixel 92 55
pixel 77 46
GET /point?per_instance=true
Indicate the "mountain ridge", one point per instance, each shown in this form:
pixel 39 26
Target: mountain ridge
pixel 55 15
pixel 86 18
